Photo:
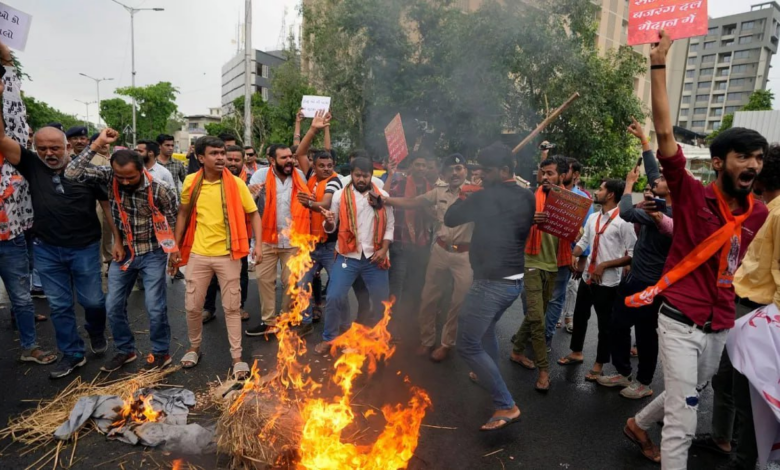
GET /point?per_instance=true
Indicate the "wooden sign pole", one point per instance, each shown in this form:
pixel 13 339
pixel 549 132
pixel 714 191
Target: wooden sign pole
pixel 546 122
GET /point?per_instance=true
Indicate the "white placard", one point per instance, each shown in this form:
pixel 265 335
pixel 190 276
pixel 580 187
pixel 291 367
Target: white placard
pixel 14 26
pixel 312 104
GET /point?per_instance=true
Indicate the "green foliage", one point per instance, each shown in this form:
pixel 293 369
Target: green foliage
pixel 760 100
pixel 472 76
pixel 156 105
pixel 117 114
pixel 39 114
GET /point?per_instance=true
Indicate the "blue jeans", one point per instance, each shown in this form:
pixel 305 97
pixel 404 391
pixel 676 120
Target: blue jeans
pixel 151 266
pixel 477 343
pixel 35 279
pixel 323 257
pixel 555 307
pixel 63 270
pixel 344 273
pixel 15 273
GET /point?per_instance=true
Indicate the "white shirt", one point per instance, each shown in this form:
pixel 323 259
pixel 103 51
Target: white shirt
pixel 283 201
pixel 365 223
pixel 160 173
pixel 345 180
pixel 616 242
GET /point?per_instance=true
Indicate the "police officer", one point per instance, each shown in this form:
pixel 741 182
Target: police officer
pixel 78 139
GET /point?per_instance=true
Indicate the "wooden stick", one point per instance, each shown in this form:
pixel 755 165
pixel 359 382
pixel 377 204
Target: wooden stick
pixel 546 122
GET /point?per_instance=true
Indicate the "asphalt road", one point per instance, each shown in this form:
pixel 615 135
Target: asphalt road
pixel 578 425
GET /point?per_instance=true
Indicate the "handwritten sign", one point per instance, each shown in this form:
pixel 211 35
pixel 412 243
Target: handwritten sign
pixel 14 26
pixel 679 18
pixel 566 211
pixel 396 139
pixel 312 104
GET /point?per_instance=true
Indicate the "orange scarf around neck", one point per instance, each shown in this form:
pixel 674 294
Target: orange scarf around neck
pixel 533 245
pixel 348 226
pixel 727 239
pixel 236 220
pixel 301 222
pixel 317 187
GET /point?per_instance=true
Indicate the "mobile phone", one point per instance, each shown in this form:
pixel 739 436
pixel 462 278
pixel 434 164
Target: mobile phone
pixel 660 204
pixel 639 162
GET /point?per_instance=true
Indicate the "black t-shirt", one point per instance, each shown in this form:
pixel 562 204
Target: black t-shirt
pixel 69 219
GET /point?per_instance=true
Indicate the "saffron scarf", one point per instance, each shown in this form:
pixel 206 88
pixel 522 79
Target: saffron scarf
pixel 599 231
pixel 415 220
pixel 317 187
pixel 162 231
pixel 727 239
pixel 348 226
pixel 301 222
pixel 236 220
pixel 534 243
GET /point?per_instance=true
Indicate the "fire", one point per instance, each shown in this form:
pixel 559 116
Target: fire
pixel 177 464
pixel 150 358
pixel 136 411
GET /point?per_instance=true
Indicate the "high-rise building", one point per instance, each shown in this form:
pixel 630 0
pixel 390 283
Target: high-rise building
pixel 233 76
pixel 723 68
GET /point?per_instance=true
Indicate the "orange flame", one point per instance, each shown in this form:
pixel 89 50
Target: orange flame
pixel 177 464
pixel 136 411
pixel 150 358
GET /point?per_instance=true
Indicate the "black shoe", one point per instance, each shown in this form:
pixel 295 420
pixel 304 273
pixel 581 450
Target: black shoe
pixel 67 365
pixel 305 329
pixel 98 345
pixel 160 361
pixel 706 441
pixel 118 361
pixel 178 276
pixel 208 316
pixel 37 293
pixel 261 330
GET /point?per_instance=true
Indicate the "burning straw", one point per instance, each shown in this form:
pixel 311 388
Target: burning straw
pixel 35 427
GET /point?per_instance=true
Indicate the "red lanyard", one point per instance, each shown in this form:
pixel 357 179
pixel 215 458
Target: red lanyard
pixel 599 230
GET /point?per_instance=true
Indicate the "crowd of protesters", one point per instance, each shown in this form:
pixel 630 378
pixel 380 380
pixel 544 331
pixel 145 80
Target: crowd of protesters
pixel 427 229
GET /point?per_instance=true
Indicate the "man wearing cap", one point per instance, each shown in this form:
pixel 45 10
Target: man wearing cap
pixel 78 138
pixel 449 255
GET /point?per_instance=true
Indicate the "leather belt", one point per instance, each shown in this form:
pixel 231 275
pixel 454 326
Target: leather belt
pixel 677 315
pixel 747 303
pixel 459 248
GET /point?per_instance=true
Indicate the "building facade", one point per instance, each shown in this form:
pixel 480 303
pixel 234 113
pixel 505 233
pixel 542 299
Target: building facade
pixel 233 76
pixel 723 68
pixel 195 127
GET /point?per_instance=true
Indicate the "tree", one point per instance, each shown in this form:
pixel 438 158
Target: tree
pixel 156 105
pixel 760 100
pixel 117 113
pixel 39 114
pixel 467 78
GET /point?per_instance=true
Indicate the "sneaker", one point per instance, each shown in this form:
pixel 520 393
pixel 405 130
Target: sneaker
pixel 118 361
pixel 160 361
pixel 178 276
pixel 98 345
pixel 37 293
pixel 636 391
pixel 305 329
pixel 262 329
pixel 208 316
pixel 614 380
pixel 67 365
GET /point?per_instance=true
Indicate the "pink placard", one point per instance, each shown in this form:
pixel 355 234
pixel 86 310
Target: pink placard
pixel 679 18
pixel 396 140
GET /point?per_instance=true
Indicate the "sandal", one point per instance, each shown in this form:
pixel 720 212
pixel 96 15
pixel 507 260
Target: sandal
pixel 323 347
pixel 570 328
pixel 706 441
pixel 649 450
pixel 506 420
pixel 473 377
pixel 544 389
pixel 316 314
pixel 39 318
pixel 190 360
pixel 526 363
pixel 240 371
pixel 569 361
pixel 38 356
pixel 244 315
pixel 593 375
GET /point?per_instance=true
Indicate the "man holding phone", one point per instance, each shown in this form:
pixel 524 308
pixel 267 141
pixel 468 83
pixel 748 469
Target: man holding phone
pixel 650 252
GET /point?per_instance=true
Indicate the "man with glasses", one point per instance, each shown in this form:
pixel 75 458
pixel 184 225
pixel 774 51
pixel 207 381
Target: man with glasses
pixel 250 159
pixel 66 242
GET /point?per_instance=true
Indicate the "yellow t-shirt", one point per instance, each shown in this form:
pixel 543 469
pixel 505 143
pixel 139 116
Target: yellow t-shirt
pixel 211 233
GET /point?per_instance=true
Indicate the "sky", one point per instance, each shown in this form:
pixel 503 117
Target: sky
pixel 186 44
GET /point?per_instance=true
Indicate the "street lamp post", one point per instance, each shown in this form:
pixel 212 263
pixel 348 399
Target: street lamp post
pixel 87 103
pixel 97 84
pixel 132 12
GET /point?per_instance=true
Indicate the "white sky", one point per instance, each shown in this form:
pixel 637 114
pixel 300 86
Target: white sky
pixel 186 45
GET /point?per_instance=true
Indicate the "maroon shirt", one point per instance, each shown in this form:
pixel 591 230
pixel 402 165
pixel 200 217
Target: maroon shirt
pixel 696 217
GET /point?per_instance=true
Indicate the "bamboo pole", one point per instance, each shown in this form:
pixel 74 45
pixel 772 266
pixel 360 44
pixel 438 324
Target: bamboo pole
pixel 546 122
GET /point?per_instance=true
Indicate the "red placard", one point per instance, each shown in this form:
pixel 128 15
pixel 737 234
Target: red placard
pixel 396 140
pixel 566 211
pixel 679 18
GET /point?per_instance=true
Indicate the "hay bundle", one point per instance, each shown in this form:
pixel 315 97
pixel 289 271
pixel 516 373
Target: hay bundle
pixel 35 427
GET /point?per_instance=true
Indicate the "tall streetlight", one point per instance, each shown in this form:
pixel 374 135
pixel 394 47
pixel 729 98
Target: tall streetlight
pixel 87 103
pixel 97 84
pixel 132 12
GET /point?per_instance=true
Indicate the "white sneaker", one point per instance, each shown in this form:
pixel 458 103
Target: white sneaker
pixel 637 390
pixel 614 380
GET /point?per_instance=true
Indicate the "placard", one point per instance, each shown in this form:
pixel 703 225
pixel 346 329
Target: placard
pixel 14 26
pixel 566 211
pixel 312 104
pixel 679 18
pixel 396 139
